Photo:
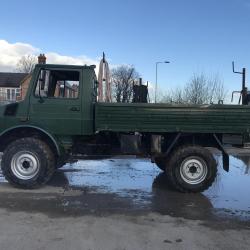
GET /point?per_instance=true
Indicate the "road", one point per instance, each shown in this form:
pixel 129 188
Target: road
pixel 126 204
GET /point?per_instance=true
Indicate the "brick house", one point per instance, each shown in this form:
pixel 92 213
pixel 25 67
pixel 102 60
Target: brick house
pixel 24 86
pixel 10 86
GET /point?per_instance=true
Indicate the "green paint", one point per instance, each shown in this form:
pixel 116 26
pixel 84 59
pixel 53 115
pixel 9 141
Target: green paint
pixel 173 118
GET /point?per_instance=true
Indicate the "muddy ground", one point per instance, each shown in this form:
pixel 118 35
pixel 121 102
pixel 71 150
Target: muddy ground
pixel 125 203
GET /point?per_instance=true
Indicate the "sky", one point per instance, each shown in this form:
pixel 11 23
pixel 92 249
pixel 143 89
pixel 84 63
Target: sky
pixel 194 35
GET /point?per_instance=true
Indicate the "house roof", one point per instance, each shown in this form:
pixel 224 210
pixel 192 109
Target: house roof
pixel 12 80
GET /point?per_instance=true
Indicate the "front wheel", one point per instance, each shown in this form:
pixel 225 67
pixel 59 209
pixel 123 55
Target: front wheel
pixel 28 163
pixel 191 169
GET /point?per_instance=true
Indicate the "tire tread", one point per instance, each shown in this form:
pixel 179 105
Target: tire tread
pixel 27 142
pixel 178 154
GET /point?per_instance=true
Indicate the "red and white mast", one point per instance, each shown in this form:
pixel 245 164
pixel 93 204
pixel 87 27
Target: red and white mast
pixel 104 87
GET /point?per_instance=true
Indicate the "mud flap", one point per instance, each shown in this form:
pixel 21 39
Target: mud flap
pixel 225 159
pixel 225 156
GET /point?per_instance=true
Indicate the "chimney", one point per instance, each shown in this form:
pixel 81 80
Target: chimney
pixel 42 59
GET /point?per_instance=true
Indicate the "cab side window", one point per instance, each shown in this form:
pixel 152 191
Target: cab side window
pixel 58 84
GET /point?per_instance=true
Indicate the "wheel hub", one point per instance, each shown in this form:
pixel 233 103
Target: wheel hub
pixel 25 165
pixel 193 170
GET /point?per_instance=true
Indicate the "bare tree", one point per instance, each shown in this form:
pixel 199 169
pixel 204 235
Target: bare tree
pixel 200 89
pixel 173 96
pixel 203 89
pixel 217 89
pixel 26 64
pixel 196 90
pixel 122 79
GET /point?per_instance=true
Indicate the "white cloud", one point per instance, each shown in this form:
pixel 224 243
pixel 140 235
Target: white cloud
pixel 55 58
pixel 10 53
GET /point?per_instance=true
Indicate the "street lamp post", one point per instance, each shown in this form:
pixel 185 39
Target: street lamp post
pixel 156 78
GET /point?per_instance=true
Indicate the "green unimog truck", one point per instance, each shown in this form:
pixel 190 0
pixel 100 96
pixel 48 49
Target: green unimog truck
pixel 60 121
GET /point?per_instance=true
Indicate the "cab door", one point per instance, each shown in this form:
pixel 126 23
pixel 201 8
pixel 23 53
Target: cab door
pixel 55 103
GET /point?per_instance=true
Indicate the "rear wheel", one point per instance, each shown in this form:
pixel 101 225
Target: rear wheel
pixel 160 162
pixel 191 169
pixel 28 163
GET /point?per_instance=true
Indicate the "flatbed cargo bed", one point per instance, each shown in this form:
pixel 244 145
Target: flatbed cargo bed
pixel 132 117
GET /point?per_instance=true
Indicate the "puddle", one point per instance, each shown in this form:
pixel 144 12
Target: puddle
pixel 124 177
pixel 230 190
pixel 141 181
pixel 132 184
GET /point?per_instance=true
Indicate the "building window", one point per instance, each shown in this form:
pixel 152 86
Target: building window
pixel 10 94
pixel 18 93
pixel 2 95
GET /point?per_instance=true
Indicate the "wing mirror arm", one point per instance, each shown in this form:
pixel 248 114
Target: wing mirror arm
pixel 41 87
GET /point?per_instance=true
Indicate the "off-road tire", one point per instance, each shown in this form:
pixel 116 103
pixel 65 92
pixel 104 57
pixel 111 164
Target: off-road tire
pixel 173 169
pixel 60 163
pixel 160 163
pixel 43 154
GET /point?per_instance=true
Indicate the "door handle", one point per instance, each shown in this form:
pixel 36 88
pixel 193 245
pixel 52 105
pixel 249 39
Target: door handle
pixel 76 109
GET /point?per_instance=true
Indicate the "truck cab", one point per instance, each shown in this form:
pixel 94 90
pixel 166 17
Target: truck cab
pixel 59 101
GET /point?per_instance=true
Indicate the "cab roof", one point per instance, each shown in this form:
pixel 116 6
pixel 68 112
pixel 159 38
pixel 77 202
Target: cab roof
pixel 66 66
